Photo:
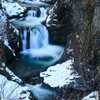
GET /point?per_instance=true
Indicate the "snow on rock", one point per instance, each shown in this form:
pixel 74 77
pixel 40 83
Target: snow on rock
pixel 13 76
pixel 10 90
pixel 15 30
pixel 92 96
pixel 51 14
pixel 13 8
pixel 70 50
pixel 7 44
pixel 3 20
pixel 60 74
pixel 35 2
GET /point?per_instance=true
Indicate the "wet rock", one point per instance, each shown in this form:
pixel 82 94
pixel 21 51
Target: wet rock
pixel 9 38
pixel 58 22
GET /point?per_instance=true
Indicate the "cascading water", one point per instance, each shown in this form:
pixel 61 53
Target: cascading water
pixel 43 13
pixel 31 13
pixel 37 53
pixel 38 38
pixel 24 39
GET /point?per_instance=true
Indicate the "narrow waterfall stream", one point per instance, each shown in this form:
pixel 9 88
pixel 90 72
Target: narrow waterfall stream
pixel 37 53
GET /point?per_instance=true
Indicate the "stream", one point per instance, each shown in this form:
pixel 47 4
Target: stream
pixel 37 53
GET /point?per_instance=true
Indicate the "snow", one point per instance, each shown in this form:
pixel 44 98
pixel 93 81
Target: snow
pixel 13 76
pixel 54 19
pixel 77 36
pixel 51 14
pixel 47 20
pixel 69 50
pixel 13 8
pixel 10 90
pixel 3 64
pixel 92 96
pixel 35 2
pixel 7 44
pixel 15 30
pixel 2 17
pixel 60 74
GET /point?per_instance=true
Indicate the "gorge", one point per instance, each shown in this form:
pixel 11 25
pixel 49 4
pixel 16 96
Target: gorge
pixel 52 46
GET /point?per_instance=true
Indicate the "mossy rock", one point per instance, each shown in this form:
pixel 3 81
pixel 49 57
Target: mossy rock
pixel 87 6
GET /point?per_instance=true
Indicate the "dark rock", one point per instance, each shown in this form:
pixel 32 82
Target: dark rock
pixel 9 38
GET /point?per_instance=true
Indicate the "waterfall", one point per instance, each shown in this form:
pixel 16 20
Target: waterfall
pixel 24 39
pixel 31 14
pixel 36 42
pixel 38 34
pixel 40 92
pixel 43 13
pixel 38 37
pixel 36 52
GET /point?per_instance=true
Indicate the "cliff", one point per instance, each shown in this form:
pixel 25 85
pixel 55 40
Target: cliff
pixel 75 23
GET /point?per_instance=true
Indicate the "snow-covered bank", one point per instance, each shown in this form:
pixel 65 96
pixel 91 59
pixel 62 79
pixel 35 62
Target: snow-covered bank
pixel 10 90
pixel 12 75
pixel 13 8
pixel 92 96
pixel 60 74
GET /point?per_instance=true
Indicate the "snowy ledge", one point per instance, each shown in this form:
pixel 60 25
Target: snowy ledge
pixel 92 96
pixel 10 90
pixel 60 74
pixel 13 76
pixel 13 8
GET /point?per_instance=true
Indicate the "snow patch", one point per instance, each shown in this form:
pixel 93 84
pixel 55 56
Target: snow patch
pixel 51 14
pixel 77 36
pixel 10 90
pixel 15 30
pixel 14 77
pixel 13 8
pixel 3 64
pixel 92 96
pixel 60 74
pixel 7 44
pixel 69 50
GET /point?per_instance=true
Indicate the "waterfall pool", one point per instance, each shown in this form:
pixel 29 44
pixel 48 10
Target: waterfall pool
pixel 37 53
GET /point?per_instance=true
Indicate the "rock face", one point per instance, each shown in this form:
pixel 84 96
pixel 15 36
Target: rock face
pixel 9 38
pixel 58 22
pixel 76 24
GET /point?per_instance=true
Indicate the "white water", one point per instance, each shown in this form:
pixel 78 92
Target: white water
pixel 43 13
pixel 24 39
pixel 38 37
pixel 39 46
pixel 30 14
pixel 39 92
pixel 31 19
